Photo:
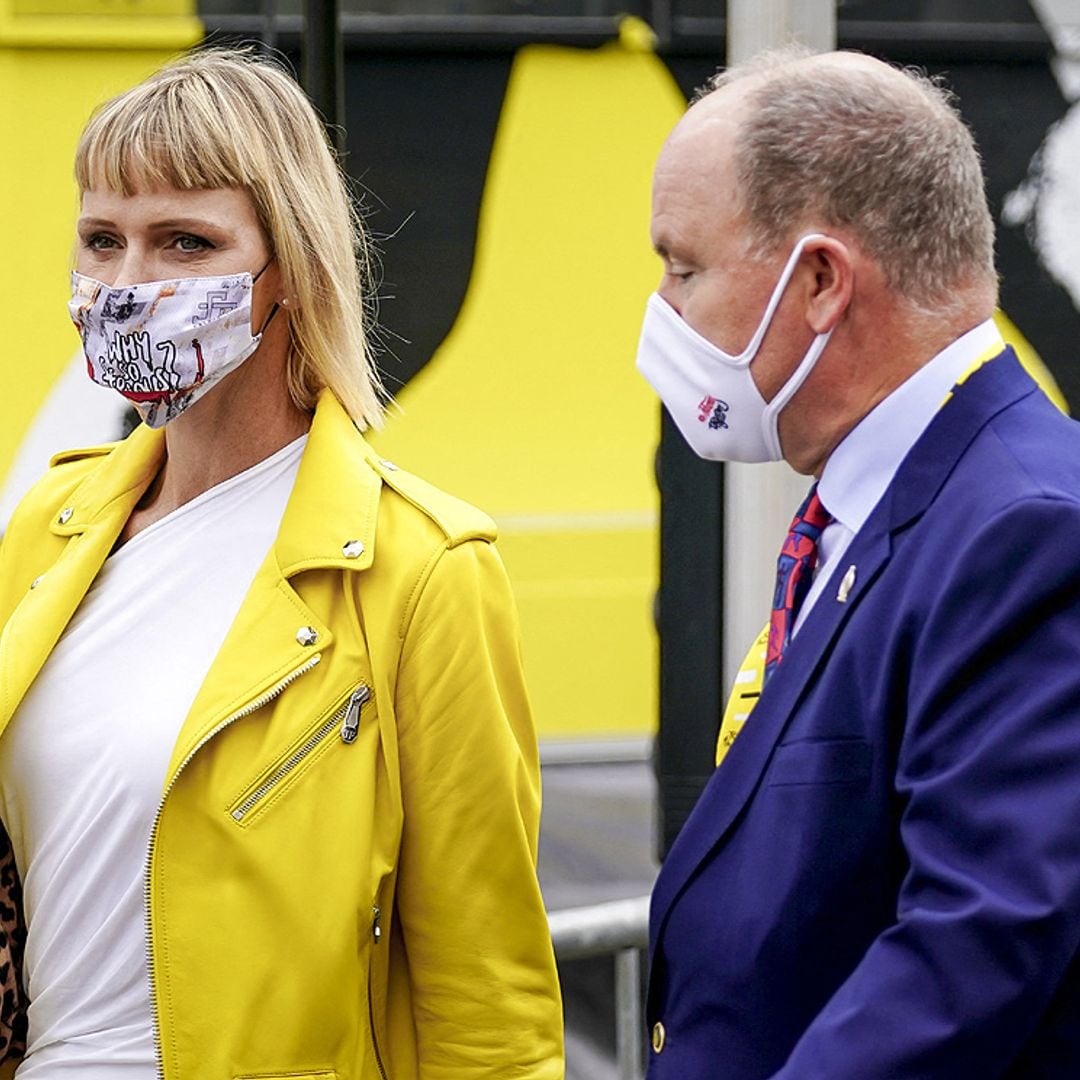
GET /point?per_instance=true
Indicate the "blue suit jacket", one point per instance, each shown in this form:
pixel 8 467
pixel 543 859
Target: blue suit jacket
pixel 882 880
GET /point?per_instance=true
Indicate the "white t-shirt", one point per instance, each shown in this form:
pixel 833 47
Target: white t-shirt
pixel 83 764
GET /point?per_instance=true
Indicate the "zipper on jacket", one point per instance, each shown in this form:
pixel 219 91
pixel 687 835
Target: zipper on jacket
pixel 348 716
pixel 351 724
pixel 252 706
pixel 376 933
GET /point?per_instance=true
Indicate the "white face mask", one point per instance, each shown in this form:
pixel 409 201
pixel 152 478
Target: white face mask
pixel 163 344
pixel 710 394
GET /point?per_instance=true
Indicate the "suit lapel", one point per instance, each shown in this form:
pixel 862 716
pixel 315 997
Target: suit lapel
pixel 734 782
pixel 920 478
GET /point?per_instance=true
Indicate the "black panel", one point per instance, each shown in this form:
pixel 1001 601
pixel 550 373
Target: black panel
pixel 420 132
pixel 938 30
pixel 689 620
pixel 967 11
pixel 942 29
pixel 418 33
pixel 1010 108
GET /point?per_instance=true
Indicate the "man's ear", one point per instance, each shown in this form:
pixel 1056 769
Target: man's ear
pixel 832 281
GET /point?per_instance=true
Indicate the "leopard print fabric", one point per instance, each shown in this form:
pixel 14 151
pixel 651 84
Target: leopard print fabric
pixel 13 1001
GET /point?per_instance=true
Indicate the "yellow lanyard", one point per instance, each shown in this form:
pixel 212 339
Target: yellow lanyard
pixel 744 694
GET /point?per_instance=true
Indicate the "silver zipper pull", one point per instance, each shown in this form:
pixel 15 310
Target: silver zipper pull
pixel 376 929
pixel 351 724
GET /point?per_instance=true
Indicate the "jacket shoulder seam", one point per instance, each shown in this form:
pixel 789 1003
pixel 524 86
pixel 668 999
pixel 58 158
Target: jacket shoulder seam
pixel 457 520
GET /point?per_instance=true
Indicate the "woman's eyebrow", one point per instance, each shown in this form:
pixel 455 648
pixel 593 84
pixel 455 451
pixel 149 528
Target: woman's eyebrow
pixel 193 223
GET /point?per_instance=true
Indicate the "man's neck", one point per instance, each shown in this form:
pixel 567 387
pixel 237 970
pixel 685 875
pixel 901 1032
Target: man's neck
pixel 873 357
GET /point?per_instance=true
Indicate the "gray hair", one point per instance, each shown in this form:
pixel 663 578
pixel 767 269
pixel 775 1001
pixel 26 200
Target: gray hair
pixel 884 154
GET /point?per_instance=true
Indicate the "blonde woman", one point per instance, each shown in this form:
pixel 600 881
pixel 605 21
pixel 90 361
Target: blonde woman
pixel 266 762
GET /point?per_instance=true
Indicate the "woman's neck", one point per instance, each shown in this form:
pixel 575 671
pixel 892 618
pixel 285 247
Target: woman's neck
pixel 247 417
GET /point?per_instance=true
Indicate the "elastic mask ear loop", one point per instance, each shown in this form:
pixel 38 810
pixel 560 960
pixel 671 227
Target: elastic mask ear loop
pixel 770 420
pixel 274 309
pixel 746 357
pixel 266 321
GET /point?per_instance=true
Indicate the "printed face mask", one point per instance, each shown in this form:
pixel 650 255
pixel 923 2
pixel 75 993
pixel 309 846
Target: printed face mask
pixel 710 394
pixel 163 344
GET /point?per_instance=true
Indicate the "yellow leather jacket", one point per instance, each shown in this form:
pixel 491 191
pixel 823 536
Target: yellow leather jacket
pixel 341 881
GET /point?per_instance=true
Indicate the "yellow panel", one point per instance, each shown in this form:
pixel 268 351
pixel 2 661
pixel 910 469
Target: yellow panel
pixel 96 24
pixel 163 33
pixel 126 9
pixel 586 617
pixel 532 408
pixel 48 93
pixel 1031 360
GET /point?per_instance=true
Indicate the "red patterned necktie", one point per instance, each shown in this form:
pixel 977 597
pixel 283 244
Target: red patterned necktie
pixel 794 573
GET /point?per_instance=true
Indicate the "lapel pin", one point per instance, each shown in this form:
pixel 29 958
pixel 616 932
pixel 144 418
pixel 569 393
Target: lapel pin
pixel 847 583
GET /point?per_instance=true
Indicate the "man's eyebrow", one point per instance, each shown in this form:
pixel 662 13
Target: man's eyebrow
pixel 661 249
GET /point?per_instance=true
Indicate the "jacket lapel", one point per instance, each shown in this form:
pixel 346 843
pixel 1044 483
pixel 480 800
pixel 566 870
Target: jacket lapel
pixel 987 392
pixel 89 522
pixel 734 782
pixel 276 634
pixel 265 643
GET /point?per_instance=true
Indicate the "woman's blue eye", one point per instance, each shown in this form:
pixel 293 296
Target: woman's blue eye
pixel 188 242
pixel 99 242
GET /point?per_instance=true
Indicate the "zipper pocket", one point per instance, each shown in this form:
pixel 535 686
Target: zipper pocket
pixel 376 937
pixel 251 707
pixel 345 721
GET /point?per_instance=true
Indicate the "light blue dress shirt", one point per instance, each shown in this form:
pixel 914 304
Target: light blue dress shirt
pixel 860 470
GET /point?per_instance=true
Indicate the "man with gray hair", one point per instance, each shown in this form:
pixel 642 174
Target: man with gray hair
pixel 882 879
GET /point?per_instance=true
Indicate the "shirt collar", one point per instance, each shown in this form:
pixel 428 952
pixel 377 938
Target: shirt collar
pixel 860 469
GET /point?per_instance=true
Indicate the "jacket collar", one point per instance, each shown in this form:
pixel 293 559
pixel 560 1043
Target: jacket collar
pixel 992 388
pixel 109 492
pixel 88 521
pixel 318 529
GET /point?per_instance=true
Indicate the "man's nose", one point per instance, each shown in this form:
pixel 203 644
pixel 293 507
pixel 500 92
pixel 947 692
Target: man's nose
pixel 667 290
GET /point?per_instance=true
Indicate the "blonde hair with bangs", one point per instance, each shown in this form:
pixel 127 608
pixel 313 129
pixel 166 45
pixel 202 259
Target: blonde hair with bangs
pixel 226 118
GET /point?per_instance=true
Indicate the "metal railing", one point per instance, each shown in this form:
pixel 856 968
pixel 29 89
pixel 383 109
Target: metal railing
pixel 619 927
